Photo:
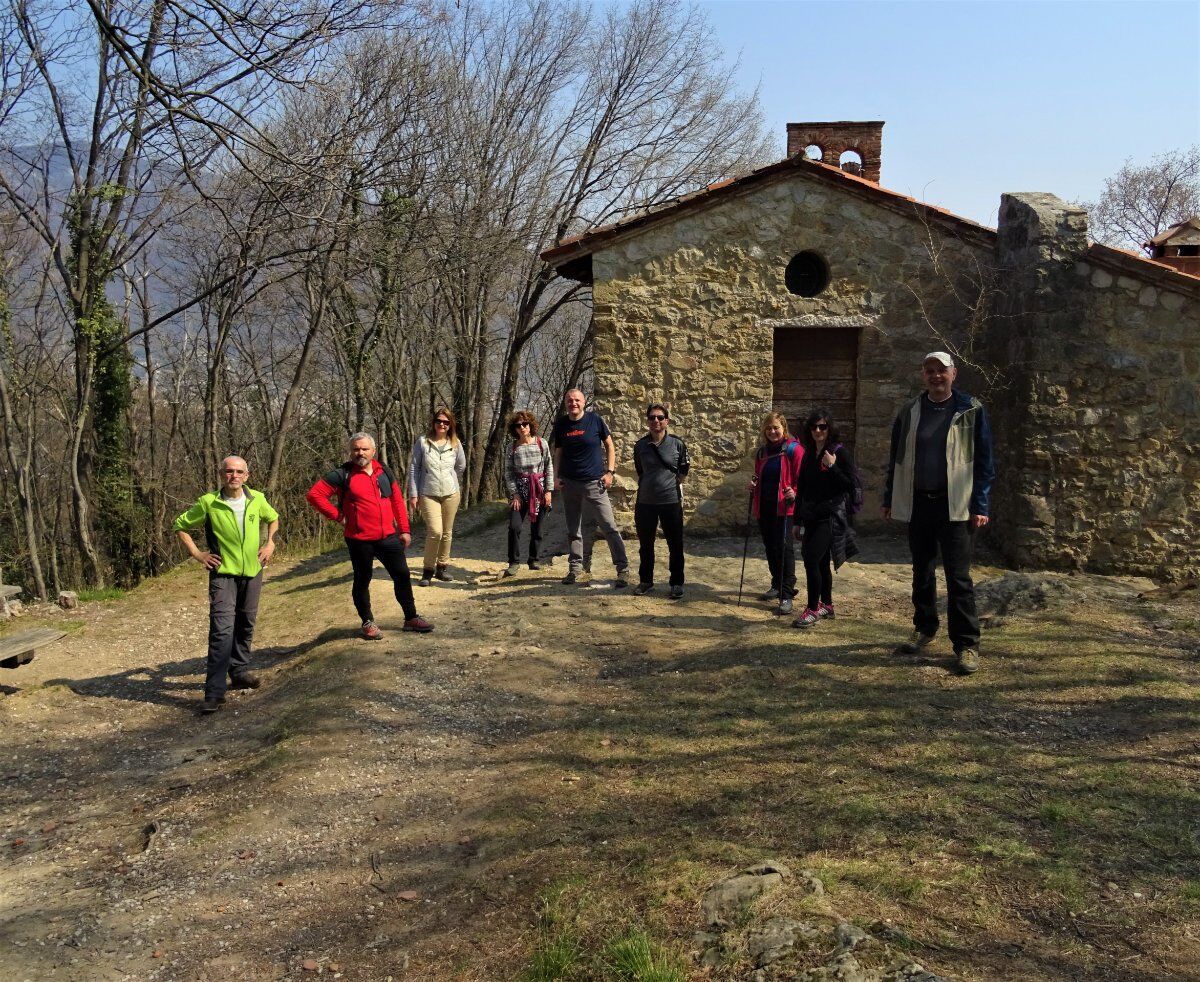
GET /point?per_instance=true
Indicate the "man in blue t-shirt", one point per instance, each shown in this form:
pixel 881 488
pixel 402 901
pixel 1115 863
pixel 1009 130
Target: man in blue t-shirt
pixel 585 462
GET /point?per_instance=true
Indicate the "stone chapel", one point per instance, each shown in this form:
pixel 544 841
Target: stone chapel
pixel 807 283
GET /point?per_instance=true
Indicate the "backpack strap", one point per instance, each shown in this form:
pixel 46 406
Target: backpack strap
pixel 339 477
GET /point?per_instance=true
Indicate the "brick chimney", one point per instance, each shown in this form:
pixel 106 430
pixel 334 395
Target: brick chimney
pixel 827 142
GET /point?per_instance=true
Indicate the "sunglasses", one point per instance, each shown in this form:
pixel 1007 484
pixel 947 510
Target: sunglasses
pixel 441 422
pixel 656 418
pixel 820 426
pixel 522 425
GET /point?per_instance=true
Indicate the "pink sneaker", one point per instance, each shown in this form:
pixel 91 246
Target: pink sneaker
pixel 825 610
pixel 806 619
pixel 370 631
pixel 418 624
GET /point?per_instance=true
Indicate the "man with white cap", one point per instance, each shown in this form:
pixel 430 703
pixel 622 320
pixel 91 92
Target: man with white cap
pixel 939 475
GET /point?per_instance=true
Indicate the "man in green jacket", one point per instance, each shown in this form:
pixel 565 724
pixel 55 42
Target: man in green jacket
pixel 232 519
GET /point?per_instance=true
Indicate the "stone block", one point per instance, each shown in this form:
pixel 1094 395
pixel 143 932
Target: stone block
pixel 68 599
pixel 1101 279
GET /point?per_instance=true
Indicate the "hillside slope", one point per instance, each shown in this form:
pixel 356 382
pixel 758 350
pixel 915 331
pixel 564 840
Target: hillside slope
pixel 556 768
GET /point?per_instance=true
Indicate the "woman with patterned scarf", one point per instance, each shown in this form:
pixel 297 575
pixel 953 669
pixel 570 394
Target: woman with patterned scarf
pixel 529 478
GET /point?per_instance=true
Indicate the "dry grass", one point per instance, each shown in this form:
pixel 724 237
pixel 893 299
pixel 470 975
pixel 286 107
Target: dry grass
pixel 559 775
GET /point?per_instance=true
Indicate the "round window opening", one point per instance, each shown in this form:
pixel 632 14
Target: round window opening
pixel 806 275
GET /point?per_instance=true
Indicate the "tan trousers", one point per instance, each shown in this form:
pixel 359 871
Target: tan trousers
pixel 438 516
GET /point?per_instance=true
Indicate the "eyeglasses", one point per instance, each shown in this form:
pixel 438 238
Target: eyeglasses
pixel 820 426
pixel 441 422
pixel 656 418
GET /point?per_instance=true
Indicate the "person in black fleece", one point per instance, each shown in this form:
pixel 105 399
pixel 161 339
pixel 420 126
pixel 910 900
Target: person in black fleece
pixel 826 478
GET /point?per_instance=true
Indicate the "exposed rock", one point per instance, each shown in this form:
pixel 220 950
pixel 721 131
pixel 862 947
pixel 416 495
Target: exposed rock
pixel 842 968
pixel 1020 592
pixel 776 938
pixel 911 972
pixel 68 599
pixel 850 936
pixel 727 897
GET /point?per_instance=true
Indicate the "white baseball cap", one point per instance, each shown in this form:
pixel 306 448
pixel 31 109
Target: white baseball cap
pixel 939 356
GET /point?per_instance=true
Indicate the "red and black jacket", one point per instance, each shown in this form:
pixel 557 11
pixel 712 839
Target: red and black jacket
pixel 371 504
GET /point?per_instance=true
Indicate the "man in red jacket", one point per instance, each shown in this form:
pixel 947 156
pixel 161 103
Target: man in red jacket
pixel 371 507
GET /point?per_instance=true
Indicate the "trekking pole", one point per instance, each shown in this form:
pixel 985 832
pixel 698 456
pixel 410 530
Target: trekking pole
pixel 745 545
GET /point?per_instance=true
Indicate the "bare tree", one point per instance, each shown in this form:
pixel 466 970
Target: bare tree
pixel 1140 201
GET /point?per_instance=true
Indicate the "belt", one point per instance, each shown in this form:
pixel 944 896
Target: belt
pixel 931 494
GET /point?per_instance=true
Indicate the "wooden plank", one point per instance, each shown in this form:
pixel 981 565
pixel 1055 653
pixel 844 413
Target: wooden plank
pixel 816 367
pixel 18 649
pixel 814 391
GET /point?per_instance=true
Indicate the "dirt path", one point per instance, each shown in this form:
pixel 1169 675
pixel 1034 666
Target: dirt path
pixel 403 809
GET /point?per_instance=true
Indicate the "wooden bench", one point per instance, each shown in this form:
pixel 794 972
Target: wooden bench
pixel 18 649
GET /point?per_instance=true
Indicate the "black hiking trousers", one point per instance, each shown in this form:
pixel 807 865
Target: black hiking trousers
pixel 646 518
pixel 930 530
pixel 817 552
pixel 515 520
pixel 776 533
pixel 389 552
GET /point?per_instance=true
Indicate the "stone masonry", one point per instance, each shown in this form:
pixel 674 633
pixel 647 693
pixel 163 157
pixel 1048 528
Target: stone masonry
pixel 1100 455
pixel 1092 354
pixel 686 311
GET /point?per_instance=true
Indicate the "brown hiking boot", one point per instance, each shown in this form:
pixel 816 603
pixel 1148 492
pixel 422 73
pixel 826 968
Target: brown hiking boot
pixel 968 661
pixel 915 643
pixel 245 680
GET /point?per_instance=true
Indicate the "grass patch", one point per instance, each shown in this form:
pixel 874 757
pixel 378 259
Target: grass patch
pixel 101 593
pixel 637 957
pixel 577 943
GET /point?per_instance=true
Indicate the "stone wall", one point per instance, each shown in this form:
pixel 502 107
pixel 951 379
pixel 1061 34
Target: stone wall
pixel 1099 435
pixel 685 312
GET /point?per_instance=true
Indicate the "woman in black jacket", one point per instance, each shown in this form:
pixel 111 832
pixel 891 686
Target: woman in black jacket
pixel 826 479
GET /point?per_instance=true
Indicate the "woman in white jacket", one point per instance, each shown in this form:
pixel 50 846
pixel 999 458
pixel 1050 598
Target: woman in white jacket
pixel 435 472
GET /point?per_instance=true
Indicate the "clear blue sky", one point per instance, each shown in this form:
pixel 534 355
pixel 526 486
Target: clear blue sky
pixel 979 97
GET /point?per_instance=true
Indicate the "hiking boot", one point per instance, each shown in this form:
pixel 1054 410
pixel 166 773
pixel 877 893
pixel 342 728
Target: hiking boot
pixel 570 579
pixel 622 579
pixel 370 631
pixel 916 641
pixel 643 588
pixel 771 594
pixel 418 624
pixel 534 564
pixel 210 706
pixel 513 569
pixel 807 618
pixel 968 661
pixel 825 610
pixel 785 606
pixel 677 591
pixel 443 573
pixel 426 578
pixel 245 680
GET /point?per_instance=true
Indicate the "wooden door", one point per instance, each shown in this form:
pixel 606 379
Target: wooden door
pixel 817 367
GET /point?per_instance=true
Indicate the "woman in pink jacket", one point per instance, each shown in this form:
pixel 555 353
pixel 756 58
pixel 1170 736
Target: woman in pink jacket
pixel 776 478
